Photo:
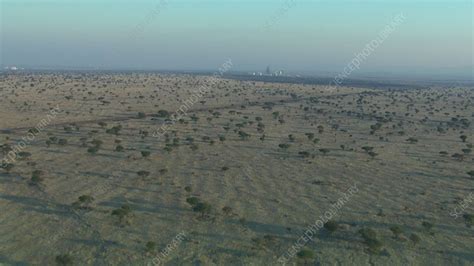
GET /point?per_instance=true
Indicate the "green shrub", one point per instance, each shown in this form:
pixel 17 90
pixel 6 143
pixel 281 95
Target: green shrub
pixel 141 115
pixel 243 135
pixel 97 143
pixel 203 208
pixel 83 202
pixel 36 176
pixel 471 173
pixel 305 254
pixel 324 151
pixel 427 225
pixel 310 136
pixel 469 219
pixel 64 259
pixel 396 230
pixel 370 239
pixel 7 167
pixel 122 213
pixel 143 173
pixel 24 155
pixel 227 210
pixel 415 238
pixel 150 246
pixel 192 201
pixel 331 226
pixel 114 130
pixel 93 150
pixel 284 146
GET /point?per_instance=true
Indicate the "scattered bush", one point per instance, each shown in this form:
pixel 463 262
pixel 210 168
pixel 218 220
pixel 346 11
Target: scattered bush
pixel 370 239
pixel 415 238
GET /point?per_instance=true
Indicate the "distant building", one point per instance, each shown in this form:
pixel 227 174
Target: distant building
pixel 267 71
pixel 14 68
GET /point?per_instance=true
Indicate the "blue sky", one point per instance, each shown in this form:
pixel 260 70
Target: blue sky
pixel 311 36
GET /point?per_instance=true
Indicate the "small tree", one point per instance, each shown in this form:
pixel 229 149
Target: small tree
pixel 463 138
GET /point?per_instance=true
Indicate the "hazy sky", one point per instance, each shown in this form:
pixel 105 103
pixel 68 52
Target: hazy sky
pixel 202 34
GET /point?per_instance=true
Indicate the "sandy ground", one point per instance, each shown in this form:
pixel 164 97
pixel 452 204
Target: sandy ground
pixel 271 194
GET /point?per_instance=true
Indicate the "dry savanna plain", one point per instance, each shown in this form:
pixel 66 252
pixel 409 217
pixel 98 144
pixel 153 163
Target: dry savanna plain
pixel 236 180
